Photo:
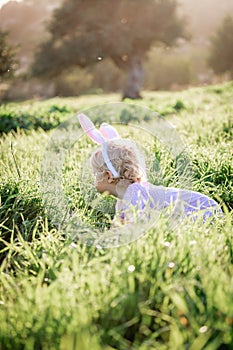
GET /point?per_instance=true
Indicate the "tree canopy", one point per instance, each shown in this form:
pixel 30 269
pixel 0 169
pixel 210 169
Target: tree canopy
pixel 25 24
pixel 221 53
pixel 7 56
pixel 84 32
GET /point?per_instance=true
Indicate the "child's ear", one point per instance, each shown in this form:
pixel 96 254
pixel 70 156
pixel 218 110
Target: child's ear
pixel 110 177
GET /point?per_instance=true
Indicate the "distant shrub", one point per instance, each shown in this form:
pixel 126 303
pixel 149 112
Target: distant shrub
pixel 102 77
pixel 179 105
pixel 107 76
pixel 13 120
pixel 172 108
pixel 164 70
pixel 24 88
pixel 221 50
pixel 126 117
pixel 73 82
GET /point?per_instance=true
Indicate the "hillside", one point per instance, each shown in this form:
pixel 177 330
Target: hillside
pixel 172 288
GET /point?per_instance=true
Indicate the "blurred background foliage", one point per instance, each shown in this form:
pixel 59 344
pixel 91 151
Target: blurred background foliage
pixel 204 57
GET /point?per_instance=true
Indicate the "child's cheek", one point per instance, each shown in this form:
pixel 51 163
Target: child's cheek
pixel 100 186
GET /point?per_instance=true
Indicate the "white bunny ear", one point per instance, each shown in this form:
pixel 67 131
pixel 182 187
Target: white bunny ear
pixel 109 131
pixel 90 129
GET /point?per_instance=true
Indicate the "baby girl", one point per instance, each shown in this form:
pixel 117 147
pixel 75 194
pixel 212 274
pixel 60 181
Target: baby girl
pixel 119 169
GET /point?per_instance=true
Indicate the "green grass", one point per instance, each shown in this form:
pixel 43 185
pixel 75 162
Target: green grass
pixel 171 289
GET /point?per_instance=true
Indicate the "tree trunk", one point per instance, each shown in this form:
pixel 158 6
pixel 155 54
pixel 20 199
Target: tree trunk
pixel 134 79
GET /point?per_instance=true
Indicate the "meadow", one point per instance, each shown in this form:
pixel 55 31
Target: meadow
pixel 170 289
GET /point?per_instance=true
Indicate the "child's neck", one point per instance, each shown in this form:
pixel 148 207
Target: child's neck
pixel 121 188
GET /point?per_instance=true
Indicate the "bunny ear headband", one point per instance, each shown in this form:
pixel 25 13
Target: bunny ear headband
pixel 106 133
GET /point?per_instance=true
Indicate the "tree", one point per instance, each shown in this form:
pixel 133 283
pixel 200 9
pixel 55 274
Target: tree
pixel 221 52
pixel 25 23
pixel 84 32
pixel 7 57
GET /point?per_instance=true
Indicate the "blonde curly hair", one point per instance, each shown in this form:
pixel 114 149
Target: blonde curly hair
pixel 126 158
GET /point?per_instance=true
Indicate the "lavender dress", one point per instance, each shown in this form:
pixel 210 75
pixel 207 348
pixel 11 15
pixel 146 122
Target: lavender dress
pixel 142 197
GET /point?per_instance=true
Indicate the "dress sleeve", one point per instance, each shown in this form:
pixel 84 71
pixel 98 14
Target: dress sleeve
pixel 191 203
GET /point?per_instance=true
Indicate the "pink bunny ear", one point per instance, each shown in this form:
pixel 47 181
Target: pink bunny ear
pixel 109 131
pixel 90 129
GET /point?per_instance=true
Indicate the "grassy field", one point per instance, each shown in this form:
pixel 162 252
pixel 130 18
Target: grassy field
pixel 170 289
